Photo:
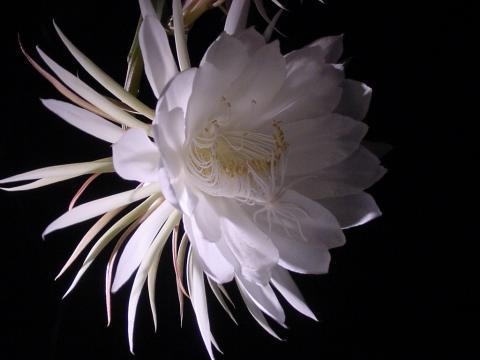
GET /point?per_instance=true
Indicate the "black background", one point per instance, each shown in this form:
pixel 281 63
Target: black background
pixel 402 288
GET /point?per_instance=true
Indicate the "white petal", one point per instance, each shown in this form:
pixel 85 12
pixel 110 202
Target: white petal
pixel 267 34
pixel 151 285
pixel 310 59
pixel 264 298
pixel 250 247
pixel 104 79
pixel 88 237
pixel 169 133
pixel 146 8
pixel 222 63
pixel 135 157
pixel 138 245
pixel 91 95
pixel 177 93
pixel 332 47
pixel 60 171
pixel 306 94
pixel 36 184
pixel 355 99
pixel 98 207
pixel 302 258
pixel 213 261
pixel 357 173
pixel 160 66
pixel 196 287
pixel 180 36
pixel 237 16
pixel 303 239
pixel 251 39
pixel 315 144
pixel 110 234
pixel 352 210
pixel 142 273
pixel 257 84
pixel 85 120
pixel 218 290
pixel 285 285
pixel 257 313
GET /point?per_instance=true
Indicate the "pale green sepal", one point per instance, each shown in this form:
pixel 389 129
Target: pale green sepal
pixel 219 295
pixel 92 96
pixel 104 79
pixel 66 171
pixel 100 206
pixel 112 231
pixel 142 272
pixel 180 38
pixel 256 312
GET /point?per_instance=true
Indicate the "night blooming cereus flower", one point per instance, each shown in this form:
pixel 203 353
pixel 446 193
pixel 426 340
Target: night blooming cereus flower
pixel 259 155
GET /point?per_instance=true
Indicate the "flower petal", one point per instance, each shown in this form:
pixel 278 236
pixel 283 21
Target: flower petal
pixel 152 254
pixel 169 133
pixel 222 63
pixel 257 84
pixel 160 66
pixel 306 94
pixel 63 172
pixel 135 157
pixel 138 245
pixel 92 96
pixel 37 183
pixel 196 288
pixel 302 230
pixel 214 263
pixel 219 291
pixel 357 173
pixel 88 237
pixel 85 120
pixel 237 16
pixel 264 298
pixel 104 79
pixel 315 144
pixel 146 8
pixel 332 47
pixel 177 93
pixel 109 235
pixel 249 246
pixel 98 207
pixel 352 210
pixel 285 285
pixel 355 99
pixel 257 313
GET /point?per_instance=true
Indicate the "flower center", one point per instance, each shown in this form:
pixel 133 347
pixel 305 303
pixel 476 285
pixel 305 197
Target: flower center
pixel 230 162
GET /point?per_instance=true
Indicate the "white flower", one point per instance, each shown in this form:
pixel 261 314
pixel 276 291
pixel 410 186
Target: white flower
pixel 261 154
pixel 258 153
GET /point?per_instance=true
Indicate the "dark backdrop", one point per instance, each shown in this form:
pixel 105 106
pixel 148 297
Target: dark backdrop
pixel 402 287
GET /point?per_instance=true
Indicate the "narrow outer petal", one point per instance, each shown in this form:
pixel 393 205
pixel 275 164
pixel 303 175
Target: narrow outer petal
pixel 85 120
pixel 355 99
pixel 139 244
pixel 237 16
pixel 284 283
pixel 160 66
pixel 352 210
